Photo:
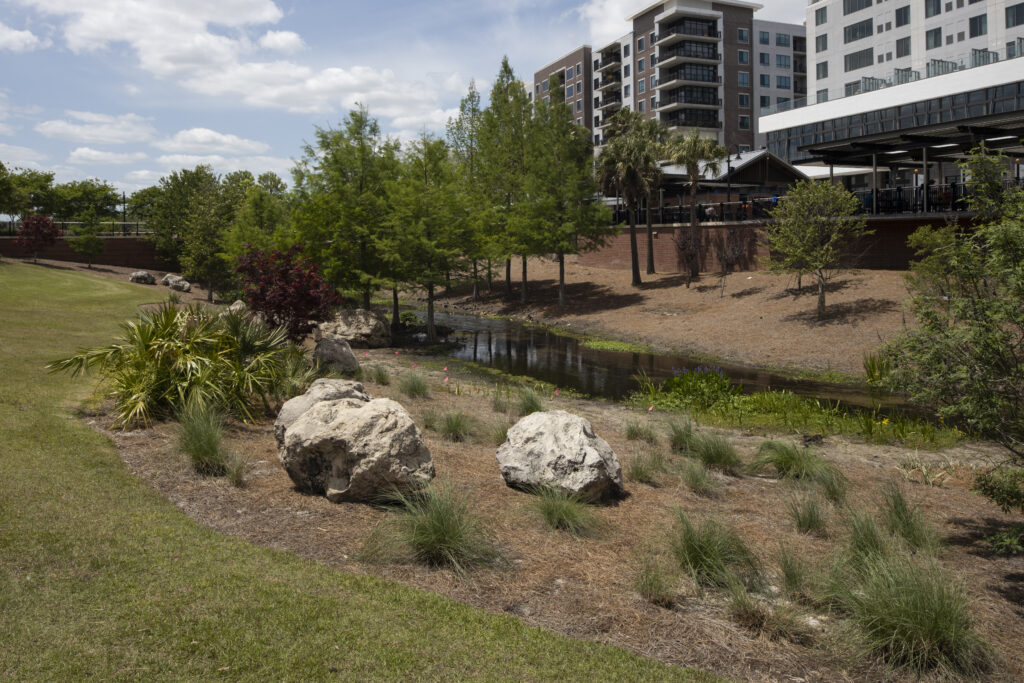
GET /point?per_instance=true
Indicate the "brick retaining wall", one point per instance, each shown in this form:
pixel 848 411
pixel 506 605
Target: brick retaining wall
pixel 130 252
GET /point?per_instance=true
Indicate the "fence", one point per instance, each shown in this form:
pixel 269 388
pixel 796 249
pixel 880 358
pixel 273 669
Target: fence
pixel 67 228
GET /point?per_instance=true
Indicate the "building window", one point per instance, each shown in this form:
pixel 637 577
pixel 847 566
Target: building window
pixel 625 90
pixel 821 42
pixel 932 7
pixel 743 79
pixel 743 149
pixel 537 88
pixel 766 81
pixel 862 29
pixel 782 61
pixel 903 47
pixel 933 39
pixel 821 95
pixel 641 86
pixel 822 70
pixel 654 103
pixel 640 106
pixel 744 100
pixel 625 71
pixel 783 82
pixel 625 50
pixel 743 56
pixel 979 25
pixel 597 139
pixel 569 91
pixel 765 59
pixel 859 60
pixel 782 40
pixel 579 122
pixel 579 105
pixel 641 66
pixel 1011 50
pixel 766 101
pixel 544 86
pixel 851 6
pixel 654 82
pixel 744 122
pixel 820 16
pixel 902 16
pixel 639 44
pixel 851 88
pixel 653 38
pixel 743 35
pixel 781 100
pixel 764 37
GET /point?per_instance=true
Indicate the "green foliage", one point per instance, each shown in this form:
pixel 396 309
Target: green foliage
pixel 456 426
pixel 378 374
pixel 697 389
pixel 259 222
pixel 613 345
pixel 802 464
pixel 645 468
pixel 907 522
pixel 772 622
pixel 808 516
pixel 810 230
pixel 713 553
pixel 435 527
pixel 234 470
pixel 640 431
pixel 1004 486
pixel 680 436
pixel 26 191
pixel 795 574
pixel 700 156
pixel 565 511
pixel 413 385
pixel 90 199
pixel 170 355
pixel 1007 542
pixel 86 240
pixel 200 438
pixel 866 538
pixel 528 402
pixel 654 582
pixel 877 368
pixel 698 479
pixel 499 434
pixel 715 452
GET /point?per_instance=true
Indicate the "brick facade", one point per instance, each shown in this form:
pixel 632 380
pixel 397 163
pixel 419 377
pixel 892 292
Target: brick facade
pixel 129 252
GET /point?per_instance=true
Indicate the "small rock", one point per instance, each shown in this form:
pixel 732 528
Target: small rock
pixel 143 277
pixel 335 353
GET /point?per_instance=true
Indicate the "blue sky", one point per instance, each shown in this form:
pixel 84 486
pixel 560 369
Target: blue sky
pixel 128 90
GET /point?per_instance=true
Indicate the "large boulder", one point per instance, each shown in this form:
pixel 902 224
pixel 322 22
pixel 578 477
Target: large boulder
pixel 321 390
pixel 356 452
pixel 335 353
pixel 560 450
pixel 180 285
pixel 361 328
pixel 143 277
pixel 238 307
pixel 169 278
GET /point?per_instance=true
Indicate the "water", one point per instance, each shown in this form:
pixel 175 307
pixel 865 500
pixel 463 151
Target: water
pixel 562 361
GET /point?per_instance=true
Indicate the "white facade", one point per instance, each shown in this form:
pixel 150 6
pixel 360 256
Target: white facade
pixel 778 66
pixel 861 45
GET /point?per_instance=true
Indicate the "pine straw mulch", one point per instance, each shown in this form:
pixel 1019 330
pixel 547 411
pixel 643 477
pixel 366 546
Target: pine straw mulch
pixel 584 587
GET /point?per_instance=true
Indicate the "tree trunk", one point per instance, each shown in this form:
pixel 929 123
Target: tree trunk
pixel 522 289
pixel 396 316
pixel 634 255
pixel 490 280
pixel 561 278
pixel 366 298
pixel 694 234
pixel 209 292
pixel 431 330
pixel 508 278
pixel 447 284
pixel 821 296
pixel 476 282
pixel 650 240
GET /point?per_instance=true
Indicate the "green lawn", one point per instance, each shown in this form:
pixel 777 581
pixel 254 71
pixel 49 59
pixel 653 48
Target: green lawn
pixel 100 577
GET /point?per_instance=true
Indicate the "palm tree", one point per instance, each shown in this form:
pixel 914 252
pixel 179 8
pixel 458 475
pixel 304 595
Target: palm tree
pixel 654 133
pixel 628 165
pixel 698 155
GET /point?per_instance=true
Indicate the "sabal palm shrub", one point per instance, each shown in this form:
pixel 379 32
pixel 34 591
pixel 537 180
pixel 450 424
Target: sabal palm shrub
pixel 172 355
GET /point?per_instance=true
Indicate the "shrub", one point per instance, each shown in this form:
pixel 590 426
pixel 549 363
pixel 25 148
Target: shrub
pixel 287 289
pixel 914 616
pixel 379 374
pixel 499 434
pixel 37 232
pixel 654 583
pixel 565 511
pixel 414 385
pixel 235 470
pixel 698 479
pixel 680 436
pixel 699 388
pixel 435 527
pixel 499 401
pixel 200 438
pixel 808 516
pixel 715 452
pixel 907 522
pixel 643 468
pixel 793 570
pixel 456 426
pixel 1004 486
pixel 430 420
pixel 638 431
pixel 866 538
pixel 713 553
pixel 529 402
pixel 792 462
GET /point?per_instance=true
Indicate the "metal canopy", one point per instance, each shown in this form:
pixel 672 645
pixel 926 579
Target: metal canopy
pixel 936 142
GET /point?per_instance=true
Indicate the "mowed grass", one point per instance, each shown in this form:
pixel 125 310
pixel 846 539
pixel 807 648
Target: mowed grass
pixel 101 578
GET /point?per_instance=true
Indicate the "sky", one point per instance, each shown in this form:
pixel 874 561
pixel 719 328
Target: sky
pixel 128 90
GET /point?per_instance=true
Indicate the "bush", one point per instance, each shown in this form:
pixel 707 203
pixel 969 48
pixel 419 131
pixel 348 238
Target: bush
pixel 713 553
pixel 37 232
pixel 565 511
pixel 808 516
pixel 700 388
pixel 716 452
pixel 200 438
pixel 499 434
pixel 414 385
pixel 772 622
pixel 456 426
pixel 643 468
pixel 499 401
pixel 434 527
pixel 907 522
pixel 803 464
pixel 529 402
pixel 680 436
pixel 654 583
pixel 638 431
pixel 698 479
pixel 866 538
pixel 794 572
pixel 378 374
pixel 287 289
pixel 235 470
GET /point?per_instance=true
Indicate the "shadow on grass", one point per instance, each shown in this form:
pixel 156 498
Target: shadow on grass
pixel 842 313
pixel 811 289
pixel 581 297
pixel 749 291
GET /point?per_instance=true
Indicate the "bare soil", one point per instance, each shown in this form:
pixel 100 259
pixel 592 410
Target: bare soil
pixel 584 587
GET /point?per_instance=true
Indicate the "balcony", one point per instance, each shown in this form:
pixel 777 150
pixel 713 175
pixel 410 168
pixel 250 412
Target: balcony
pixel 681 77
pixel 610 61
pixel 674 34
pixel 613 81
pixel 689 53
pixel 691 122
pixel 610 101
pixel 667 103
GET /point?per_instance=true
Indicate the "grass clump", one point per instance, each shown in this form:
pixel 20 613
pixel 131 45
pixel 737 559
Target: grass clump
pixel 456 426
pixel 907 522
pixel 499 434
pixel 713 553
pixel 802 464
pixel 234 470
pixel 639 431
pixel 698 479
pixel 434 527
pixel 866 539
pixel 378 374
pixel 808 516
pixel 716 452
pixel 794 573
pixel 645 468
pixel 528 403
pixel 680 436
pixel 654 582
pixel 202 431
pixel 565 511
pixel 772 621
pixel 414 385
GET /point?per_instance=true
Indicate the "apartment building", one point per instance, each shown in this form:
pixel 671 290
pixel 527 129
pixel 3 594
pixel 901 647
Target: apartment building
pixel 689 63
pixel 864 45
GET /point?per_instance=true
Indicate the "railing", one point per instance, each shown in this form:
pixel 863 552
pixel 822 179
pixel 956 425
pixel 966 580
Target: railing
pixel 945 198
pixel 683 99
pixel 684 122
pixel 67 229
pixel 690 52
pixel 707 212
pixel 610 99
pixel 688 31
pixel 608 61
pixel 693 76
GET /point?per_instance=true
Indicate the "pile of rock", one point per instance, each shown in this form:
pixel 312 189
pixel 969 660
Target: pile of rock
pixel 176 282
pixel 359 328
pixel 142 277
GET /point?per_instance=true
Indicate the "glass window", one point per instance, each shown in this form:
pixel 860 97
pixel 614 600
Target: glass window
pixel 903 47
pixel 862 29
pixel 579 105
pixel 782 39
pixel 765 59
pixel 781 100
pixel 625 90
pixel 783 82
pixel 782 61
pixel 579 122
pixel 932 7
pixel 902 16
pixel 764 37
pixel 568 91
pixel 641 66
pixel 820 16
pixel 766 81
pixel 744 122
pixel 625 71
pixel 652 39
pixel 766 101
pixel 859 60
pixel 933 39
pixel 544 86
pixel 822 70
pixel 579 69
pixel 851 6
pixel 743 56
pixel 654 82
pixel 821 42
pixel 744 100
pixel 821 95
pixel 654 103
pixel 743 79
pixel 640 106
pixel 743 35
pixel 641 86
pixel 979 25
pixel 625 50
pixel 639 44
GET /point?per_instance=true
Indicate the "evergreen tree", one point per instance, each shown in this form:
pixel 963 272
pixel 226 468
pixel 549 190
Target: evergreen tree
pixel 464 143
pixel 698 155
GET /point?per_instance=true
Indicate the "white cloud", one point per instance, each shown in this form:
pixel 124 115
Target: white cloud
pixel 87 155
pixel 282 41
pixel 143 176
pixel 607 19
pixel 206 141
pixel 14 155
pixel 19 41
pixel 225 164
pixel 98 128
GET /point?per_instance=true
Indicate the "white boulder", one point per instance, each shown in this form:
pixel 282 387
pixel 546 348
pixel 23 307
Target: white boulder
pixel 320 390
pixel 361 328
pixel 335 353
pixel 143 277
